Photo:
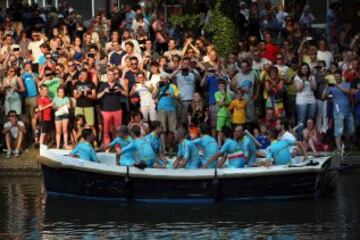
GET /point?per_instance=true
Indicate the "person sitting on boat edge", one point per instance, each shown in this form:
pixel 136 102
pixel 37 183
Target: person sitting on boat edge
pixel 84 149
pixel 122 140
pixel 248 146
pixel 282 125
pixel 279 150
pixel 208 145
pixel 141 150
pixel 231 150
pixel 154 139
pixel 188 155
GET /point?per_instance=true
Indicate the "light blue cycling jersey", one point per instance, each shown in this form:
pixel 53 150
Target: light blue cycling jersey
pixel 189 151
pixel 249 148
pixel 209 148
pixel 141 150
pixel 85 152
pixel 127 158
pixel 279 151
pixel 234 152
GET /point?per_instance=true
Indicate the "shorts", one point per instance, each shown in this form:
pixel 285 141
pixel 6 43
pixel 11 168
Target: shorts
pixel 223 122
pixel 168 120
pixel 45 127
pixel 30 104
pixel 212 115
pixel 341 121
pixel 62 117
pixel 88 112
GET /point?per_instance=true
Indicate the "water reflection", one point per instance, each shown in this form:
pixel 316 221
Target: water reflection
pixel 26 212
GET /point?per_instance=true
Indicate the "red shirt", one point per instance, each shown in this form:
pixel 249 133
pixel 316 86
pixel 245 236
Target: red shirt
pixel 45 114
pixel 270 52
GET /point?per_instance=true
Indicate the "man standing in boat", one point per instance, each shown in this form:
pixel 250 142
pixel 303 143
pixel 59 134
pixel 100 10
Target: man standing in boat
pixel 84 149
pixel 154 139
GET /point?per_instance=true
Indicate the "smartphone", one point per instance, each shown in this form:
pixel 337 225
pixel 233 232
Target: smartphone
pixel 309 38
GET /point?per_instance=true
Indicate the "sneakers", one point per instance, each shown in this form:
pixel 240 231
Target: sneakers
pixel 16 153
pixel 8 154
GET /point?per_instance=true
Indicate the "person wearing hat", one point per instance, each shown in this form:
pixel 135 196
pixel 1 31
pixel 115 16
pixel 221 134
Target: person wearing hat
pixel 84 149
pixel 165 95
pixel 122 140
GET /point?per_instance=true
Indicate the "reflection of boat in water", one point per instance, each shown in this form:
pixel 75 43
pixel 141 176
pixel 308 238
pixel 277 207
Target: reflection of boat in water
pixel 66 175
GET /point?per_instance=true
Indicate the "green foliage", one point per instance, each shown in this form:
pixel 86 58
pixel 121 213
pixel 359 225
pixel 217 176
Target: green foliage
pixel 222 29
pixel 190 22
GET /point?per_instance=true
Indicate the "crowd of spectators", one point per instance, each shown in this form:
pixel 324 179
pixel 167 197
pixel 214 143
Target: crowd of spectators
pixel 59 76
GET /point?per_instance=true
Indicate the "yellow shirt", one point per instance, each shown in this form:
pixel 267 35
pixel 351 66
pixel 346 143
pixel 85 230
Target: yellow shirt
pixel 238 106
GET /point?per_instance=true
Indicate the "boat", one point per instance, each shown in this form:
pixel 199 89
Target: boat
pixel 71 176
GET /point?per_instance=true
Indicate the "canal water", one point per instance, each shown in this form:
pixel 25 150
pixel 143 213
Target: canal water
pixel 27 213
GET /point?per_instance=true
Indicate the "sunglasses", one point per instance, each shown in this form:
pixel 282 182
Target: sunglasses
pixel 134 64
pixel 12 115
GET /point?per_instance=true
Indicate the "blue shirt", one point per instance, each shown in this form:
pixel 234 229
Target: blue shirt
pixel 30 84
pixel 42 60
pixel 279 151
pixel 85 152
pixel 188 151
pixel 212 82
pixel 167 101
pixel 127 158
pixel 249 149
pixel 341 101
pixel 141 150
pixel 263 140
pixel 154 141
pixel 209 148
pixel 232 147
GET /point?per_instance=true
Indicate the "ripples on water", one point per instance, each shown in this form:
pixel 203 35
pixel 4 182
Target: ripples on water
pixel 26 213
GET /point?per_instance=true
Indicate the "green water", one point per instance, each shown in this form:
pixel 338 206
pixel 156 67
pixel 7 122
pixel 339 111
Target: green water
pixel 27 213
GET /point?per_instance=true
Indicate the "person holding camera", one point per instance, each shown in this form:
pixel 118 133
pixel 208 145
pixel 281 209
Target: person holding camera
pixel 51 81
pixel 111 94
pixel 165 95
pixel 14 132
pixel 85 95
pixel 13 87
pixel 185 79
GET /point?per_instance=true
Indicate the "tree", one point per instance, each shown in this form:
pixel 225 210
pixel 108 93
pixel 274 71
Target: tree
pixel 221 27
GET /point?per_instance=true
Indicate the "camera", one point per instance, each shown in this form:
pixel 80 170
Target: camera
pixel 185 71
pixel 16 49
pixel 112 89
pixel 91 55
pixel 48 74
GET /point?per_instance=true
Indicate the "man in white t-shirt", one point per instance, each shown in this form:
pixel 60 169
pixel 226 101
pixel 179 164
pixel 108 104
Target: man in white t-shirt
pixel 14 133
pixel 34 45
pixel 245 80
